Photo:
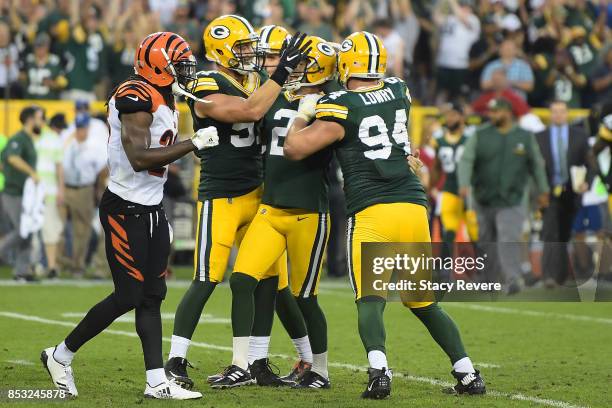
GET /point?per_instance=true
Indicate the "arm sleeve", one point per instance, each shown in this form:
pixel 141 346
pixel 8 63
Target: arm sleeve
pixel 13 148
pixel 465 168
pixel 331 110
pixel 536 162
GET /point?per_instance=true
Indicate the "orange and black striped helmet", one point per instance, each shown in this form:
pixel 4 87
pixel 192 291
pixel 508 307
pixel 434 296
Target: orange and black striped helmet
pixel 164 58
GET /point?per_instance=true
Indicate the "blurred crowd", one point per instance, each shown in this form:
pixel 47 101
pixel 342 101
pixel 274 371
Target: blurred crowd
pixel 467 57
pixel 533 50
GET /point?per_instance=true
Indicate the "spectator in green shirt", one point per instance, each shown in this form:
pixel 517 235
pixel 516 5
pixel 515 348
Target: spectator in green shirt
pixel 496 164
pixel 19 163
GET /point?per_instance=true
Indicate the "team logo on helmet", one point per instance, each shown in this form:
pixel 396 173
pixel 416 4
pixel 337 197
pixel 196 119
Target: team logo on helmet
pixel 326 49
pixel 220 32
pixel 346 45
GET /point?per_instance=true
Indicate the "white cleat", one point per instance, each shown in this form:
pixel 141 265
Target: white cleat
pixel 61 375
pixel 170 390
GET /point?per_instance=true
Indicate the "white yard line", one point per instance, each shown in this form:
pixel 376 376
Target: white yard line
pixel 129 318
pixel 526 312
pixel 19 362
pixel 425 380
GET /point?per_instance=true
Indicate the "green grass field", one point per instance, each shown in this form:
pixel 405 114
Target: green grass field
pixel 531 354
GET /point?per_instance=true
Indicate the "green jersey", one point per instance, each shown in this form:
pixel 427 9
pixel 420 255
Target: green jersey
pixel 86 56
pixel 448 153
pixel 234 167
pixel 291 184
pixel 373 152
pixel 38 75
pixel 22 145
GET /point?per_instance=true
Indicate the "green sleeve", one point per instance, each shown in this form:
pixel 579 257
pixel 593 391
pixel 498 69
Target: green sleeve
pixel 536 162
pixel 13 148
pixel 465 168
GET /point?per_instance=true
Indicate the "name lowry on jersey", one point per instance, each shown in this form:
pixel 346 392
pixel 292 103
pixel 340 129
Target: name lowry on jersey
pixel 379 96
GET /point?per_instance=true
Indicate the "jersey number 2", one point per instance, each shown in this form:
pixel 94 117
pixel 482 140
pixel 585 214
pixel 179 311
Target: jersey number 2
pixel 167 139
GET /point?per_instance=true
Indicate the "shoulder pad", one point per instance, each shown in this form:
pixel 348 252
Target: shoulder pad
pixel 136 95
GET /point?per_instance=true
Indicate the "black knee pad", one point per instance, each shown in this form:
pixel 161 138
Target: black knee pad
pixel 150 303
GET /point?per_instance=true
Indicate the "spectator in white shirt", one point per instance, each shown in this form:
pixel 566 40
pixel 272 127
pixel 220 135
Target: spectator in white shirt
pixel 83 163
pixel 459 29
pixel 9 59
pixel 49 166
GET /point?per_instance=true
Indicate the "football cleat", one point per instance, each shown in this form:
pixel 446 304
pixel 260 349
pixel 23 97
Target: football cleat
pixel 170 390
pixel 468 383
pixel 176 371
pixel 212 378
pixel 379 384
pixel 310 379
pixel 262 372
pixel 233 376
pixel 61 374
pixel 298 370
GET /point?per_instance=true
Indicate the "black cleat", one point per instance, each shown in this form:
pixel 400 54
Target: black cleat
pixel 297 372
pixel 176 371
pixel 262 373
pixel 379 384
pixel 468 383
pixel 310 379
pixel 233 376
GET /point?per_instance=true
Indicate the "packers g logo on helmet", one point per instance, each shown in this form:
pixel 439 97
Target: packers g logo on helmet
pixel 231 42
pixel 220 32
pixel 318 67
pixel 362 55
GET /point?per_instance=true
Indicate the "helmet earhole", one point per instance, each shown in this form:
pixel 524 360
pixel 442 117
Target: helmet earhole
pixel 157 71
pixel 220 51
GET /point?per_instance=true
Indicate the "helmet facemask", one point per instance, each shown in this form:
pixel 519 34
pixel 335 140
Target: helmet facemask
pixel 299 76
pixel 184 73
pixel 248 56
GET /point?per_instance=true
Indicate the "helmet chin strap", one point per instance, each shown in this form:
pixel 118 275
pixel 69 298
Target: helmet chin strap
pixel 176 88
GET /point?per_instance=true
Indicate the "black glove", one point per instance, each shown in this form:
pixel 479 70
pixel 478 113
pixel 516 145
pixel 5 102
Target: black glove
pixel 291 54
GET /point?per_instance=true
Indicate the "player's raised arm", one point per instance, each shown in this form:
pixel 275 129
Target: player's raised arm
pixel 232 109
pixel 136 139
pixel 302 139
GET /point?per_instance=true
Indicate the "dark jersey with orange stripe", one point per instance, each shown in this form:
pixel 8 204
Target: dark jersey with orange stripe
pixel 143 188
pixel 234 167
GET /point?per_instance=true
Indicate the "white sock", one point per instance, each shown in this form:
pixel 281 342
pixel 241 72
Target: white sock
pixel 464 366
pixel 319 364
pixel 302 346
pixel 258 347
pixel 377 359
pixel 179 346
pixel 156 377
pixel 62 354
pixel 240 347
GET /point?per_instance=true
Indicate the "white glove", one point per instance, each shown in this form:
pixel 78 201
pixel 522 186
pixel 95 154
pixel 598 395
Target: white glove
pixel 306 109
pixel 205 138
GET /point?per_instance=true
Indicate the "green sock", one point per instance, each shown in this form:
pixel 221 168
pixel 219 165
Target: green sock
pixel 289 314
pixel 243 303
pixel 315 322
pixel 371 325
pixel 443 330
pixel 265 297
pixel 449 240
pixel 190 309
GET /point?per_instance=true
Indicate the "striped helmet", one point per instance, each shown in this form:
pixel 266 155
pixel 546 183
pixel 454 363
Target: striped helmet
pixel 318 67
pixel 361 55
pixel 231 42
pixel 271 38
pixel 163 58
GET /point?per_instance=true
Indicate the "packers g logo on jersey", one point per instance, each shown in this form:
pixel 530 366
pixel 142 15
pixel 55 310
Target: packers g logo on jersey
pixel 362 55
pixel 220 32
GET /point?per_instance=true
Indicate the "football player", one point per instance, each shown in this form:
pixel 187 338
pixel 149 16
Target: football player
pixel 271 39
pixel 293 217
pixel 367 126
pixel 230 175
pixel 143 140
pixel 449 147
